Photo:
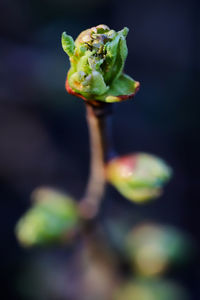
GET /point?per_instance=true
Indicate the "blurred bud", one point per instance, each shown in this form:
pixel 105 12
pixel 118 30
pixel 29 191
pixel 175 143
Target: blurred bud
pixel 138 177
pixel 53 217
pixel 152 248
pixel 97 60
pixel 151 289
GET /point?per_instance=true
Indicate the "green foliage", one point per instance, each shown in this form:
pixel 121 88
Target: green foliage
pixel 97 61
pixel 138 177
pixel 53 217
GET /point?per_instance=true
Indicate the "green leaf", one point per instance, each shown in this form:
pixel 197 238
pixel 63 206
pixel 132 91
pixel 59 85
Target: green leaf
pixel 116 53
pixel 121 88
pixel 68 44
pixel 87 85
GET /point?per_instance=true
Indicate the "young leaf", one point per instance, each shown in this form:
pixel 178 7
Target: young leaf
pixel 68 44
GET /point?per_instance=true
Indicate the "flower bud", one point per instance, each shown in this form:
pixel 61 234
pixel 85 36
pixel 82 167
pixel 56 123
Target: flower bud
pixel 97 60
pixel 138 177
pixel 151 289
pixel 152 248
pixel 53 217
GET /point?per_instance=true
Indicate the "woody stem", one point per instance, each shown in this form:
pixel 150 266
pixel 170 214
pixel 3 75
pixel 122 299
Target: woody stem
pixel 98 119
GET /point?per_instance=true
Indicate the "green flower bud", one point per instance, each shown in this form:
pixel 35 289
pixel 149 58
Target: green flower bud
pixel 53 217
pixel 138 177
pixel 152 248
pixel 97 60
pixel 151 289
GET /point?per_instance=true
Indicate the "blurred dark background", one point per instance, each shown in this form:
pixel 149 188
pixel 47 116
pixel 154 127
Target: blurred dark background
pixel 43 133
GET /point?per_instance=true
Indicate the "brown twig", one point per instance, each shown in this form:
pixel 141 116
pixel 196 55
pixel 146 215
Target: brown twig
pixel 98 119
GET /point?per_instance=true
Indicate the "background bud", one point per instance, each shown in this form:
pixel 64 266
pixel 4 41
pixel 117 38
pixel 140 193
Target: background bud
pixel 53 217
pixel 151 289
pixel 138 177
pixel 97 60
pixel 153 248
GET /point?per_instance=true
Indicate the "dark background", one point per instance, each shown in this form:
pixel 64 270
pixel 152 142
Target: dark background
pixel 43 133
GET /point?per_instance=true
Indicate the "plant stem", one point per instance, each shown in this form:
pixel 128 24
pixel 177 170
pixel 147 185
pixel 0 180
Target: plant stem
pixel 98 119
